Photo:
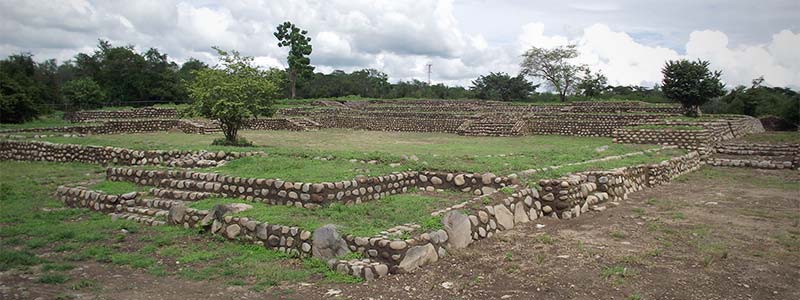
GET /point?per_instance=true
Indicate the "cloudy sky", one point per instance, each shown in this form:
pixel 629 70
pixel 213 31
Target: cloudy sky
pixel 628 40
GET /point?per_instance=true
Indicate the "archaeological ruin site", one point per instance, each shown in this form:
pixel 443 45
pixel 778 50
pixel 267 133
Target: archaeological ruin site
pixel 217 191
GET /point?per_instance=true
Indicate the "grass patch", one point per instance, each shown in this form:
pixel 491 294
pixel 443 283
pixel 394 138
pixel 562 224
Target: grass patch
pixel 53 278
pixel 11 258
pixel 118 187
pixel 52 120
pixel 618 273
pixel 784 137
pixel 436 151
pixel 365 219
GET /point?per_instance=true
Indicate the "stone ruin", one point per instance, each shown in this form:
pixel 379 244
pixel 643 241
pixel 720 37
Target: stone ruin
pixel 483 214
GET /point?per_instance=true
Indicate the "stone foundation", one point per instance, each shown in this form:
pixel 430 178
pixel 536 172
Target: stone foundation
pixel 310 195
pixel 136 113
pixel 45 151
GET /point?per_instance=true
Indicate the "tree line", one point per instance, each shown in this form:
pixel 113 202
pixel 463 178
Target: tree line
pixel 121 76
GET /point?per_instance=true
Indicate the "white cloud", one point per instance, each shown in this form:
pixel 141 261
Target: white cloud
pixel 739 65
pixel 400 37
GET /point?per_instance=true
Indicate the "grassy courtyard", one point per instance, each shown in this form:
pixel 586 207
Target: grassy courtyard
pixel 333 154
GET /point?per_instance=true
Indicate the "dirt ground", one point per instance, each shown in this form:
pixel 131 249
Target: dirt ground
pixel 718 233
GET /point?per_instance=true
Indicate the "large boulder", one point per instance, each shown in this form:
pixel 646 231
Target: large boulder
pixel 504 217
pixel 176 214
pixel 418 256
pixel 327 243
pixel 220 210
pixel 458 228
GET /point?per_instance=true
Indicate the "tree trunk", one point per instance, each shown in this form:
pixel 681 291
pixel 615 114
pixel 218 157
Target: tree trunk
pixel 293 79
pixel 230 132
pixel 563 97
pixel 693 111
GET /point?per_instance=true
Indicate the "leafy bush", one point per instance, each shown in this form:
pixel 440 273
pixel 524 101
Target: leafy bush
pixel 83 93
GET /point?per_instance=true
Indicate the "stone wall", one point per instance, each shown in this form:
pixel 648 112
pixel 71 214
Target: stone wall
pixel 753 155
pixel 272 124
pixel 286 239
pixel 390 124
pixel 136 113
pixel 113 204
pixel 127 126
pixel 310 195
pixel 711 133
pixel 45 151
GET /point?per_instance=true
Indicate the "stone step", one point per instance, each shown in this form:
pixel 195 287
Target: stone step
pixel 139 218
pixel 175 194
pixel 158 203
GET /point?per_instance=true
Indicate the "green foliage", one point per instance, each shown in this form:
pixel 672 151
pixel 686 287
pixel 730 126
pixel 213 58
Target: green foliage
pixel 83 93
pixel 16 104
pixel 691 83
pixel 23 95
pixel 233 92
pixel 554 67
pixel 592 84
pixel 501 86
pixel 289 35
pixel 759 101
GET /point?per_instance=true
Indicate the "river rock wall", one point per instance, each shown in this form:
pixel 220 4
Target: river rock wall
pixel 45 151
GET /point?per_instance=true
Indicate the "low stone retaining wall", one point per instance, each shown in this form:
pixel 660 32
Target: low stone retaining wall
pixel 711 133
pixel 45 151
pixel 136 113
pixel 272 124
pixel 752 155
pixel 700 140
pixel 114 204
pixel 126 126
pixel 390 124
pixel 286 239
pixel 310 195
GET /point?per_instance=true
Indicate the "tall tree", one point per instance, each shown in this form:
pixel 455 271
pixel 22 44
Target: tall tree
pixel 22 96
pixel 501 86
pixel 554 67
pixel 691 83
pixel 232 92
pixel 299 49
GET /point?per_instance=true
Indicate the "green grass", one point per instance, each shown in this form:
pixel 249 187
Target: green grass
pixel 365 219
pixel 436 151
pixel 117 187
pixel 51 120
pixel 617 272
pixel 792 137
pixel 53 278
pixel 646 158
